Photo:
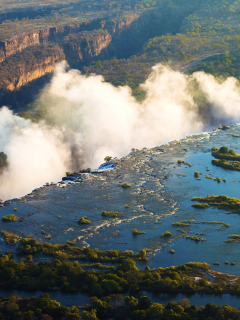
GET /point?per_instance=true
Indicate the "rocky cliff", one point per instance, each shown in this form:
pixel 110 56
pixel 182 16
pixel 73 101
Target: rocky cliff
pixel 54 34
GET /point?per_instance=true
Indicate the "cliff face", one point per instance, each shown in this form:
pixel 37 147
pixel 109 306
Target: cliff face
pixel 36 72
pixel 85 46
pixel 19 70
pixel 18 44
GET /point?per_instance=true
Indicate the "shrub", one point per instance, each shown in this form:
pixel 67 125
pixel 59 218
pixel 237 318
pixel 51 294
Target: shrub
pixel 10 218
pixel 107 159
pixel 166 234
pixel 136 232
pixel 84 221
pixel 125 185
pixel 196 174
pixel 172 251
pixel 200 205
pixel 10 238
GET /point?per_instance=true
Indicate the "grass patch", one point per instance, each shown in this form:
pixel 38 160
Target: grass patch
pixel 10 218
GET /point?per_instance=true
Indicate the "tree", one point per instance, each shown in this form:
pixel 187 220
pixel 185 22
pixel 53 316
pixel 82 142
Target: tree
pixel 3 160
pixel 142 253
pixel 144 303
pixel 131 301
pixel 223 150
pixel 90 315
pixel 126 265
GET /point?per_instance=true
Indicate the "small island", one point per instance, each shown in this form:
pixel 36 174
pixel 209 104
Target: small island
pixel 84 221
pixel 10 218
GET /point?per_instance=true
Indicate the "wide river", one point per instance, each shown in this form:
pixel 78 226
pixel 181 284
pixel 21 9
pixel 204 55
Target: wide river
pixel 160 194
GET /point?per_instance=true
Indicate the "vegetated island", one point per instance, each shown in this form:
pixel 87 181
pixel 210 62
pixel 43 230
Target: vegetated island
pixel 224 154
pixel 221 202
pixel 83 220
pixel 10 218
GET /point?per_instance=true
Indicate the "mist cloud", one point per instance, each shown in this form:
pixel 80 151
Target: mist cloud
pixel 88 119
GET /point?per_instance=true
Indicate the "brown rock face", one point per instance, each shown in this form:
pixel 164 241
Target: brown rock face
pixel 86 46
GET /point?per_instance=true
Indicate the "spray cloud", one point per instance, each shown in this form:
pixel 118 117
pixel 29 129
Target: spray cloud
pixel 88 119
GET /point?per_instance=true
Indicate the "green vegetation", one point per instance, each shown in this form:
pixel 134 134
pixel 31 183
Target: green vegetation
pixel 136 232
pixel 183 223
pixel 216 263
pixel 36 308
pixel 200 206
pixel 10 218
pixel 166 234
pixel 111 214
pixel 194 238
pixel 65 251
pixel 224 153
pixel 111 307
pixel 107 158
pixel 84 221
pixel 233 238
pixel 125 185
pixel 232 165
pixel 127 206
pixel 3 161
pixel 196 174
pixel 234 135
pixel 72 243
pixel 221 202
pixel 172 251
pixel 10 237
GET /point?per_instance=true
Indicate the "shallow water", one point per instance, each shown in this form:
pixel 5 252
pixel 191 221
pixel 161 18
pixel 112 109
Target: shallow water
pixel 158 197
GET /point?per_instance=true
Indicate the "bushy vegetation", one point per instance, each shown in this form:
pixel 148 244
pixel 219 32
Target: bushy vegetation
pixel 125 185
pixel 136 232
pixel 111 307
pixel 65 251
pixel 36 308
pixel 200 205
pixel 3 161
pixel 70 276
pixel 10 238
pixel 183 223
pixel 84 221
pixel 111 214
pixel 10 218
pixel 166 234
pixel 221 202
pixel 225 153
pixel 231 165
pixel 233 238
